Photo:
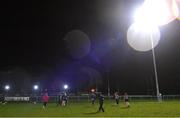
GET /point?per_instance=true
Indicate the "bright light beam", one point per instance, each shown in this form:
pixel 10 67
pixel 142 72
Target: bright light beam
pixel 156 12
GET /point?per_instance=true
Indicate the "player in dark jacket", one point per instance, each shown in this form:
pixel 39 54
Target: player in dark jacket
pixel 2 99
pixel 93 98
pixel 101 102
pixel 64 99
pixel 59 99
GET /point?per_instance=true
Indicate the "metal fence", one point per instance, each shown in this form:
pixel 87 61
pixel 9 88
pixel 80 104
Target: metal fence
pixel 87 98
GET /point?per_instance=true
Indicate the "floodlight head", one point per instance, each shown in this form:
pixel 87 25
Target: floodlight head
pixel 156 12
pixel 66 86
pixel 7 87
pixel 36 87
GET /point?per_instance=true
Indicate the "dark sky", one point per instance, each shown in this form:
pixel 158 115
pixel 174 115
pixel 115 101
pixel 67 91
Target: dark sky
pixel 82 42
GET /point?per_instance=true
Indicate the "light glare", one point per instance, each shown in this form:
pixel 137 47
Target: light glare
pixel 156 12
pixel 7 87
pixel 36 87
pixel 65 86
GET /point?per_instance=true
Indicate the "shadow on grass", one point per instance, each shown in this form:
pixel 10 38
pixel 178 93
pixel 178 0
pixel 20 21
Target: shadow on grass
pixel 95 112
pixel 88 106
pixel 114 105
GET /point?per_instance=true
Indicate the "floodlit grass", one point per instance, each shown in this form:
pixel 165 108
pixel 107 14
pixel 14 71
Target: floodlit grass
pixel 137 109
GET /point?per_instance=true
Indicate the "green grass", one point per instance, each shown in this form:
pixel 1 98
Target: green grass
pixel 137 109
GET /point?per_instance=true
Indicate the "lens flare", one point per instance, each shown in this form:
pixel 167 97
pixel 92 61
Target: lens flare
pixel 139 38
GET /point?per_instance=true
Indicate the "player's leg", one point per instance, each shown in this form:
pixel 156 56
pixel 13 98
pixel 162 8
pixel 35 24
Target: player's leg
pixel 43 104
pixel 102 108
pixel 116 101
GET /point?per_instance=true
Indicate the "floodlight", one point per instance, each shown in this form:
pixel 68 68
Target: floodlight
pixel 7 87
pixel 156 12
pixel 66 86
pixel 36 87
pixel 144 34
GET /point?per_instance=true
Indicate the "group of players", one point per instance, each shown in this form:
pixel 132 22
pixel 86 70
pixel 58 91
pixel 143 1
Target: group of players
pixel 101 99
pixel 62 99
pixel 126 99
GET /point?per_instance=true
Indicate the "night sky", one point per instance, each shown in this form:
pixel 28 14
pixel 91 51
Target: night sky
pixel 82 43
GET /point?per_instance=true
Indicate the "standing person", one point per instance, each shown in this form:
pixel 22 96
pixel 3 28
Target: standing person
pixel 116 96
pixel 101 101
pixel 126 100
pixel 64 99
pixel 2 99
pixel 59 99
pixel 93 98
pixel 45 99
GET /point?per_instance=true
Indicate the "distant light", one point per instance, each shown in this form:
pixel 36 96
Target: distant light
pixel 7 87
pixel 36 87
pixel 92 90
pixel 66 86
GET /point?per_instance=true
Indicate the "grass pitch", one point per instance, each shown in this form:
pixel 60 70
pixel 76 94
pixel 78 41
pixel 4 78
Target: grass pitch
pixel 85 109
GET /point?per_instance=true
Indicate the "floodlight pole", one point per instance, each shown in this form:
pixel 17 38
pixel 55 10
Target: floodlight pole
pixel 155 70
pixel 108 88
pixel 108 84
